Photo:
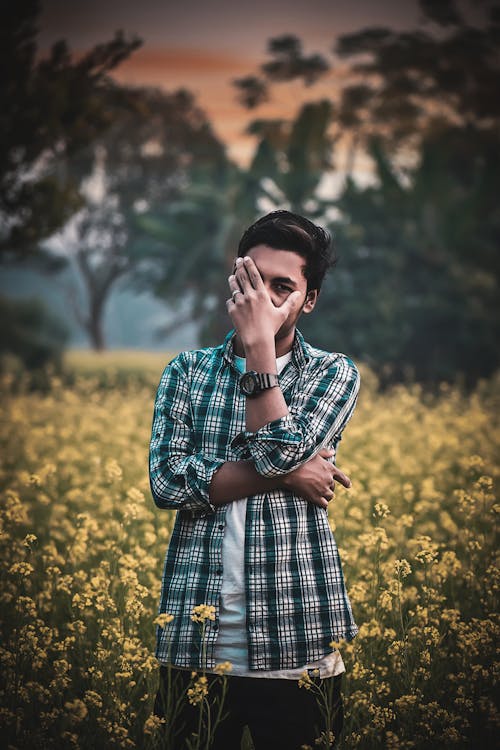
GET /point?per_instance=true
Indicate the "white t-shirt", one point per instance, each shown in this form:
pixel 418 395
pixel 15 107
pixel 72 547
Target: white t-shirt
pixel 232 637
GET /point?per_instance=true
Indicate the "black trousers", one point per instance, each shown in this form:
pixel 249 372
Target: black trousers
pixel 279 714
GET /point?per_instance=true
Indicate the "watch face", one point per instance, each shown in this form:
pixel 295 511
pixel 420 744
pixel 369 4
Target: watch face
pixel 248 383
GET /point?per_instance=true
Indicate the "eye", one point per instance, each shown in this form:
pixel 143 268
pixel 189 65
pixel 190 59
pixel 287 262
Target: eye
pixel 283 288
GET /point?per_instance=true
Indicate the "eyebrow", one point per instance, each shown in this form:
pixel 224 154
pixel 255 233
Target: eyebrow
pixel 284 280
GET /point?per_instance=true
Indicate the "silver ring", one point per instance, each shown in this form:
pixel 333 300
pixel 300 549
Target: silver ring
pixel 236 291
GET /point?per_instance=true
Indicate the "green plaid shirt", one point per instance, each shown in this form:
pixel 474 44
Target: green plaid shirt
pixel 295 594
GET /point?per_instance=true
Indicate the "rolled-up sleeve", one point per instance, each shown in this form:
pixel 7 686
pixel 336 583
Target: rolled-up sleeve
pixel 322 403
pixel 179 476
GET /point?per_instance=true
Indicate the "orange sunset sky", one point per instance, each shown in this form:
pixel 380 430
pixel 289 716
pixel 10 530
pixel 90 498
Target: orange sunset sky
pixel 203 46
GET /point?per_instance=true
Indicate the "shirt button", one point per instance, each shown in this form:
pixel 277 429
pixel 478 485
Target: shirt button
pixel 221 527
pixel 218 572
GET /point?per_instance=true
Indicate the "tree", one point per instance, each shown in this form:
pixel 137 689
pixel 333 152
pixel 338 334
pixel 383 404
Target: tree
pixel 416 285
pixel 406 84
pixel 287 63
pixel 34 335
pixel 415 293
pixel 198 233
pixel 43 123
pixel 139 165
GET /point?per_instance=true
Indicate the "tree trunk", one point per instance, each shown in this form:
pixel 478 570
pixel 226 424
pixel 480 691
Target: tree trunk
pixel 94 326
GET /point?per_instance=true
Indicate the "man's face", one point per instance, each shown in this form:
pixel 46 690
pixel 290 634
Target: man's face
pixel 282 272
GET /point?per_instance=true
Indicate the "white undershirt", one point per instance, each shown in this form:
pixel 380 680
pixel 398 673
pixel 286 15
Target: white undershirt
pixel 232 636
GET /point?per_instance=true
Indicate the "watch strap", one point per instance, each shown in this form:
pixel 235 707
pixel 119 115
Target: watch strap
pixel 267 380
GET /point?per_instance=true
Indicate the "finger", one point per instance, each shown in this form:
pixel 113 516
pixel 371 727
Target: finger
pixel 236 292
pixel 253 273
pixel 233 284
pixel 292 302
pixel 339 476
pixel 326 453
pixel 242 277
pixel 322 502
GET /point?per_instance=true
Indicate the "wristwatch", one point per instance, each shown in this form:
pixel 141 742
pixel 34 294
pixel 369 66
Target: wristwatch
pixel 253 383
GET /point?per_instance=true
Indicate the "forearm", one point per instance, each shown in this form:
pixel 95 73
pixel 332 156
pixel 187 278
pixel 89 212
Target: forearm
pixel 237 479
pixel 270 404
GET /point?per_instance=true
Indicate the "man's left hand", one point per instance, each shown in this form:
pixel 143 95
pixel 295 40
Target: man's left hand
pixel 250 307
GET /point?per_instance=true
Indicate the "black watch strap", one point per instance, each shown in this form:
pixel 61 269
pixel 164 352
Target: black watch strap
pixel 252 383
pixel 267 380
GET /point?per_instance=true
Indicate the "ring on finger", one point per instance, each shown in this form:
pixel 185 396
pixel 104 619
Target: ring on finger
pixel 236 291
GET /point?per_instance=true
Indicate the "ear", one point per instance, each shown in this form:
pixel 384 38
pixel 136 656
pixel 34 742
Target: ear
pixel 311 299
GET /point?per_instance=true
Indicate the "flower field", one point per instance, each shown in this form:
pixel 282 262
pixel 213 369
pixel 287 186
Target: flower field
pixel 83 547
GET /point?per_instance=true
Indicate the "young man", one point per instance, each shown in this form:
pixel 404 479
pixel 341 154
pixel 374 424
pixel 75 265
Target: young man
pixel 243 445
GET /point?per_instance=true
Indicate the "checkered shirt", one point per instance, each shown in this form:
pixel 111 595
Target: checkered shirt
pixel 295 593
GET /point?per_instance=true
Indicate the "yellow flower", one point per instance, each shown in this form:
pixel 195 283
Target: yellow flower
pixel 326 739
pixel 163 620
pixel 113 470
pixel 153 723
pixel 385 601
pixel 402 568
pixel 381 510
pixel 76 709
pixel 203 612
pixel 22 569
pixel 305 681
pixel 93 699
pixel 198 691
pixel 223 668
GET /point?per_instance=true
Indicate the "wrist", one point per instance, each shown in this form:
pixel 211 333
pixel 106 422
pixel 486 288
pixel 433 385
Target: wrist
pixel 285 481
pixel 260 354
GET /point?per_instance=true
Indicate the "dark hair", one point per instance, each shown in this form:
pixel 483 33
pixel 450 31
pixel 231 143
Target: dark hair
pixel 284 230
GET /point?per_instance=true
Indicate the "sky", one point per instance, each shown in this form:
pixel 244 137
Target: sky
pixel 204 46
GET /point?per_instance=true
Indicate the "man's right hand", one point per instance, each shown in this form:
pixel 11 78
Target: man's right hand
pixel 315 480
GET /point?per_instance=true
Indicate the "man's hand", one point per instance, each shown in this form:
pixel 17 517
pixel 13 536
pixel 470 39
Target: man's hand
pixel 315 480
pixel 250 307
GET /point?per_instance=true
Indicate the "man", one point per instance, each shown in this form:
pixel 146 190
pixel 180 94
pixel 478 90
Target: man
pixel 243 444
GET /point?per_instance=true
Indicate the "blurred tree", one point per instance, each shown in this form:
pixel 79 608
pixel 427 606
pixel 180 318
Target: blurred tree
pixel 292 159
pixel 404 85
pixel 287 63
pixel 138 166
pixel 416 285
pixel 50 108
pixel 416 291
pixel 420 246
pixel 197 235
pixel 34 335
pixel 85 166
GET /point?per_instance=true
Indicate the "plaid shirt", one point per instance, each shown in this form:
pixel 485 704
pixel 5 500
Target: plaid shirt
pixel 295 593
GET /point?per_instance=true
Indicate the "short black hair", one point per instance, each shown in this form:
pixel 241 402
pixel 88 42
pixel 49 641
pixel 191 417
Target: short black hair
pixel 284 230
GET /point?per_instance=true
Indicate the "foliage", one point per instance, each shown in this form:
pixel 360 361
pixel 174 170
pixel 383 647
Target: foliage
pixel 33 336
pixel 83 546
pixel 415 292
pixel 42 122
pixel 197 235
pixel 404 84
pixel 139 164
pixel 287 63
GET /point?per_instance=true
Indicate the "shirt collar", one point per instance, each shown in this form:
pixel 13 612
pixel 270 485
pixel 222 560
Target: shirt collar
pixel 300 349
